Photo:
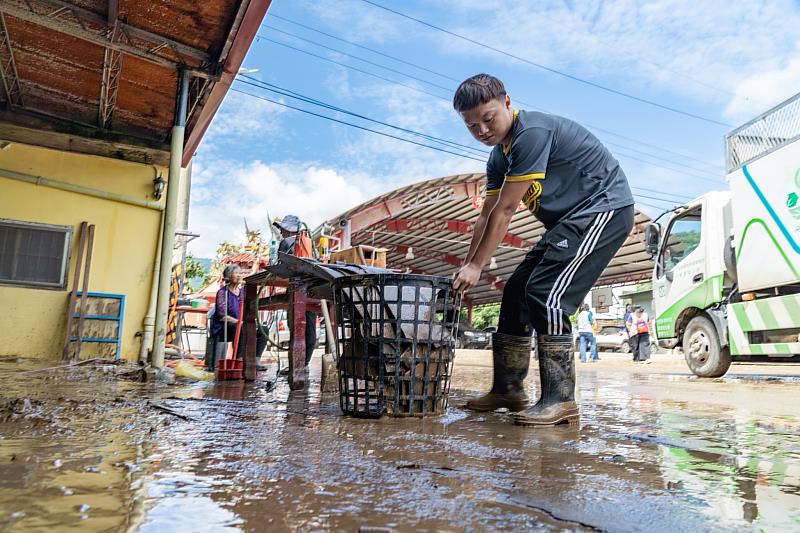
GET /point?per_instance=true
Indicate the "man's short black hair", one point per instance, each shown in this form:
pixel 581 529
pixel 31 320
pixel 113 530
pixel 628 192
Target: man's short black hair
pixel 477 90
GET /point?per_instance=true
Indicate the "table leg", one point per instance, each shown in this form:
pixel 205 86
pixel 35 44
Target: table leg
pixel 251 303
pixel 297 341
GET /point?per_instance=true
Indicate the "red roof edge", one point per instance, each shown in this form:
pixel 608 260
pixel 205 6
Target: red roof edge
pixel 256 10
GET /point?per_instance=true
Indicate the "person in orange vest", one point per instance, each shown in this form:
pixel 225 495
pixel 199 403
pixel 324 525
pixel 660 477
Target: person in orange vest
pixel 294 242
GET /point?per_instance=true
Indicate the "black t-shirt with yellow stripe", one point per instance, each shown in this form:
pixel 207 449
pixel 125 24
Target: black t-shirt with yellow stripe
pixel 572 171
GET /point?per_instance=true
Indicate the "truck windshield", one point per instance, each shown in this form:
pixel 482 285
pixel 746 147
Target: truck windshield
pixel 683 238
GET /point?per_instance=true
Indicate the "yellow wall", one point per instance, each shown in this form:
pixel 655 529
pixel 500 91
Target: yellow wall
pixel 125 241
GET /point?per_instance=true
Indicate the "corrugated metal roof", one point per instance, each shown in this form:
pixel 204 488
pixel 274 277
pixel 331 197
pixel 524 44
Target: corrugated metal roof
pixel 434 218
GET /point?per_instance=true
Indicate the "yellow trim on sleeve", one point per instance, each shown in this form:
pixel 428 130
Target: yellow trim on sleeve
pixel 526 177
pixel 492 192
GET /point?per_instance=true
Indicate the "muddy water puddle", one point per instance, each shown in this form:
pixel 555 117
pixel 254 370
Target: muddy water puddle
pixel 81 450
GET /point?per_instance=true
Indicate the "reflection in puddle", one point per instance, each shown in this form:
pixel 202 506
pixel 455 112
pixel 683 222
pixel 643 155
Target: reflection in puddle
pixel 91 453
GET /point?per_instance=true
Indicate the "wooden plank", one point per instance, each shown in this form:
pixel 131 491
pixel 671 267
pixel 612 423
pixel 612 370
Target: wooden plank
pixel 73 294
pixel 84 290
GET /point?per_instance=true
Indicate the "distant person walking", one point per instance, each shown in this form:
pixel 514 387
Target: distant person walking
pixel 628 320
pixel 641 325
pixel 586 334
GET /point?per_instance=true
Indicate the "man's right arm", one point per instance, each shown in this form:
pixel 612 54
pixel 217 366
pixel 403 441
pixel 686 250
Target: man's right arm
pixel 480 224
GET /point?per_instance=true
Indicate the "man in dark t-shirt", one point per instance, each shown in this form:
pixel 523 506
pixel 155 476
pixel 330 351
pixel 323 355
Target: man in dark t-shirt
pixel 569 181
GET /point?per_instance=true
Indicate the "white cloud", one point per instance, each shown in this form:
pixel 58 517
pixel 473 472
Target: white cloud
pixel 360 22
pixel 696 50
pixel 761 90
pixel 243 116
pixel 225 193
pixel 402 163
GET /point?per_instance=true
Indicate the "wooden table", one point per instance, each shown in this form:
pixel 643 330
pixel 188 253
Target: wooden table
pixel 284 296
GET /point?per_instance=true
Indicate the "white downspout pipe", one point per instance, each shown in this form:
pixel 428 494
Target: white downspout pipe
pixel 170 211
pixel 149 322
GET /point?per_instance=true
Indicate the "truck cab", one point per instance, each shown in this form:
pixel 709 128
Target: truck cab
pixel 690 280
pixel 726 280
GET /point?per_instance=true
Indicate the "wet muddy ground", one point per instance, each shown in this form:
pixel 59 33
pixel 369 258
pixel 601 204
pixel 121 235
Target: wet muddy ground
pixel 656 450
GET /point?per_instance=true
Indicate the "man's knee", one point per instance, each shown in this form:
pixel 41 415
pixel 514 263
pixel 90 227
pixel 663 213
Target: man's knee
pixel 538 310
pixel 516 282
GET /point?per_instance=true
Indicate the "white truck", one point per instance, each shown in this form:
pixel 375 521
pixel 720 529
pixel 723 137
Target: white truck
pixel 726 281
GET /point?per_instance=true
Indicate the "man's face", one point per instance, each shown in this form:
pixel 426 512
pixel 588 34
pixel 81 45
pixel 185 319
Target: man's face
pixel 490 122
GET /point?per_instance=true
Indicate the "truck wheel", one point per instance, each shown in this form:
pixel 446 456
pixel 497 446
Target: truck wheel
pixel 705 357
pixel 625 347
pixel 459 343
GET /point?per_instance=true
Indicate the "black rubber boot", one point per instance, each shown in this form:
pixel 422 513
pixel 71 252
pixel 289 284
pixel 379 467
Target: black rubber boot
pixel 511 355
pixel 557 372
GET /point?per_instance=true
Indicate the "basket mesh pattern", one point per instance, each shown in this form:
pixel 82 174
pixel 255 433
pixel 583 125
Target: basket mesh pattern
pixel 396 336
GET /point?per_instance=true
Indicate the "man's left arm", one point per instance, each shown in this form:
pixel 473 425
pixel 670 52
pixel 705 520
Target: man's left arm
pixel 496 227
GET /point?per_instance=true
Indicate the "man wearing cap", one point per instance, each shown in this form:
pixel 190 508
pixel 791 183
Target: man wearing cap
pixel 290 244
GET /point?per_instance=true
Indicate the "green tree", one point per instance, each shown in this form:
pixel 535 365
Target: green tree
pixel 485 316
pixel 194 274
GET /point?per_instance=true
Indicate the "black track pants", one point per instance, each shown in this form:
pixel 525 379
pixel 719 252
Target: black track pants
pixel 555 276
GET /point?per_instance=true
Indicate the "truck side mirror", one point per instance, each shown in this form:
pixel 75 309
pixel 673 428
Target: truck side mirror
pixel 652 236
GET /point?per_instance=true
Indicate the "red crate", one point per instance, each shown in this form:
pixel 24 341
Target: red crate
pixel 229 369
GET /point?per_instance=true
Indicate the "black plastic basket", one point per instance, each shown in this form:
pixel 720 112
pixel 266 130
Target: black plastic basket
pixel 396 336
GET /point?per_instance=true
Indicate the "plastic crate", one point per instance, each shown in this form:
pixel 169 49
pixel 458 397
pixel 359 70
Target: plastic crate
pixel 396 336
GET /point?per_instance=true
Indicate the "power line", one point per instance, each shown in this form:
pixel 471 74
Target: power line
pixel 661 192
pixel 373 63
pixel 384 134
pixel 660 208
pixel 647 154
pixel 351 43
pixel 261 37
pixel 297 96
pixel 704 178
pixel 672 202
pixel 466 156
pixel 345 65
pixel 394 58
pixel 549 69
pixel 641 59
pixel 667 150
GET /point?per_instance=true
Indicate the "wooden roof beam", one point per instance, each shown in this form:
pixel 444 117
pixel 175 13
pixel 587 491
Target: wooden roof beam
pixel 8 68
pixel 83 24
pixel 112 67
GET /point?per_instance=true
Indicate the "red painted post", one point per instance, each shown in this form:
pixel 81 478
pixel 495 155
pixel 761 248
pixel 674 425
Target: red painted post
pixel 469 314
pixel 250 303
pixel 297 340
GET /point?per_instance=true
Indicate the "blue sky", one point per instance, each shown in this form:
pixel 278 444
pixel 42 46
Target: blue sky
pixel 724 61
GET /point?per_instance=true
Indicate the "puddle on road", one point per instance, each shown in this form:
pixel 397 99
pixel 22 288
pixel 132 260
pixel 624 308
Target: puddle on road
pixel 81 451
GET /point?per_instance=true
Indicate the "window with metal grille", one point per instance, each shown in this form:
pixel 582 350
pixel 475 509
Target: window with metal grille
pixel 34 255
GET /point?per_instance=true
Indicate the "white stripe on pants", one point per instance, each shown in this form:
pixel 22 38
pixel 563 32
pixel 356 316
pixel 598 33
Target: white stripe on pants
pixel 555 317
